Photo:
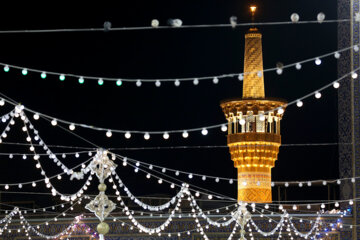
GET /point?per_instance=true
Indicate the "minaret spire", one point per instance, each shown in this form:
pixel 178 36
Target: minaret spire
pixel 253 86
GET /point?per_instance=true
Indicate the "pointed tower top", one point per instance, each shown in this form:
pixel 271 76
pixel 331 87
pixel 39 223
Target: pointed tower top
pixel 252 10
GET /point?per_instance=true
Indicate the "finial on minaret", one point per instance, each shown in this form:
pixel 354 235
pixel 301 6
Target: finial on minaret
pixel 252 10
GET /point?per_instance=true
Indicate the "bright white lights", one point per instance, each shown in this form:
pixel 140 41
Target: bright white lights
pixel 204 131
pixel 157 83
pixel 299 103
pixel 242 121
pixel 108 133
pixel 298 66
pixel 146 136
pixel 337 55
pixel 166 135
pixel 72 127
pixel 36 116
pixel 185 134
pixel 262 117
pixel 336 84
pixel 354 75
pixel 54 122
pixel 215 80
pixel 317 61
pixel 177 83
pixel 196 81
pixel 127 135
pixel 223 128
pixel 138 83
pixel 280 111
pixel 317 95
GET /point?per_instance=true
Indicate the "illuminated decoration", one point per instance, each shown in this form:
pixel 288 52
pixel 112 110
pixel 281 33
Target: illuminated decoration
pixel 102 166
pixel 254 127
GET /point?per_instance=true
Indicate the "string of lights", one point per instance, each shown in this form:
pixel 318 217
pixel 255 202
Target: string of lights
pixel 176 81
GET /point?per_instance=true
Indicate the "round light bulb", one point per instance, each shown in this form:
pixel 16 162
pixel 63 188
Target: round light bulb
pixel 317 95
pixel 43 75
pixel 177 83
pixel 223 128
pixel 157 83
pixel 118 83
pixel 294 17
pixel 138 83
pixel 204 131
pixel 2 102
pixel 108 133
pixel 36 116
pixel 336 84
pixel 24 71
pixel 185 134
pixel 280 111
pixel 320 17
pixel 6 68
pixel 72 127
pixel 356 48
pixel 127 135
pixel 279 71
pixel 215 80
pixel 54 122
pixel 81 80
pixel 298 66
pixel 259 74
pixel 100 82
pixel 62 77
pixel 299 103
pixel 166 135
pixel 146 136
pixel 196 81
pixel 337 55
pixel 241 77
pixel 354 75
pixel 317 61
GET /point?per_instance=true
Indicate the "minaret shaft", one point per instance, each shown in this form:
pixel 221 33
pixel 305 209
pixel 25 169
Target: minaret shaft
pixel 253 86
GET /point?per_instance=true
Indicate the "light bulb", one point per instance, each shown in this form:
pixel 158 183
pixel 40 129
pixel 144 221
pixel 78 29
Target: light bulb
pixel 157 83
pixel 148 176
pixel 54 122
pixel 185 134
pixel 146 136
pixel 127 135
pixel 72 127
pixel 336 204
pixel 100 82
pixel 138 83
pixel 166 135
pixel 294 207
pixel 215 80
pixel 320 17
pixel 190 176
pixel 43 75
pixel 36 116
pixel 298 66
pixel 24 71
pixel 356 48
pixel 259 74
pixel 2 102
pixel 294 17
pixel 280 111
pixel 242 121
pixel 308 206
pixel 196 81
pixel 81 80
pixel 322 205
pixel 6 68
pixel 204 131
pixel 317 61
pixel 223 128
pixel 177 83
pixel 108 133
pixel 354 75
pixel 351 202
pixel 241 77
pixel 337 55
pixel 317 95
pixel 262 117
pixel 155 23
pixel 299 103
pixel 62 77
pixel 118 83
pixel 336 84
pixel 279 71
pixel 210 197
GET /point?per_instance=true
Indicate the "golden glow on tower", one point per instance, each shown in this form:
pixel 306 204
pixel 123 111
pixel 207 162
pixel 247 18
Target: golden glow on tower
pixel 252 9
pixel 254 126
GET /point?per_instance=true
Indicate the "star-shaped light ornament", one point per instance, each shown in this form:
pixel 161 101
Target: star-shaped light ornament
pixel 101 165
pixel 357 17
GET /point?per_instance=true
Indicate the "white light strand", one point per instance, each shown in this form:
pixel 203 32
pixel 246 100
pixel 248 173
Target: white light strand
pixel 157 81
pixel 161 207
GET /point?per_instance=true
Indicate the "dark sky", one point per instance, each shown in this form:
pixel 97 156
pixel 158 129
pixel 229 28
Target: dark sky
pixel 169 54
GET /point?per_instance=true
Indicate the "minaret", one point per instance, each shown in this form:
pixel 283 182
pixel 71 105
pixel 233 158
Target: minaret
pixel 254 126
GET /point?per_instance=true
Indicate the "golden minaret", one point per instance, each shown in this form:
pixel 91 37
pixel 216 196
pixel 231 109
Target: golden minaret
pixel 254 126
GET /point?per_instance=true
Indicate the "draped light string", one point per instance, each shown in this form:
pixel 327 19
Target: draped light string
pixel 184 132
pixel 176 81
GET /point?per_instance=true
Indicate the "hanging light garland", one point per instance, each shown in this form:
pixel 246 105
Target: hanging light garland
pixel 177 81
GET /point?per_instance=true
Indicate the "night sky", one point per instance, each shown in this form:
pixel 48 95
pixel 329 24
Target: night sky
pixel 168 53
